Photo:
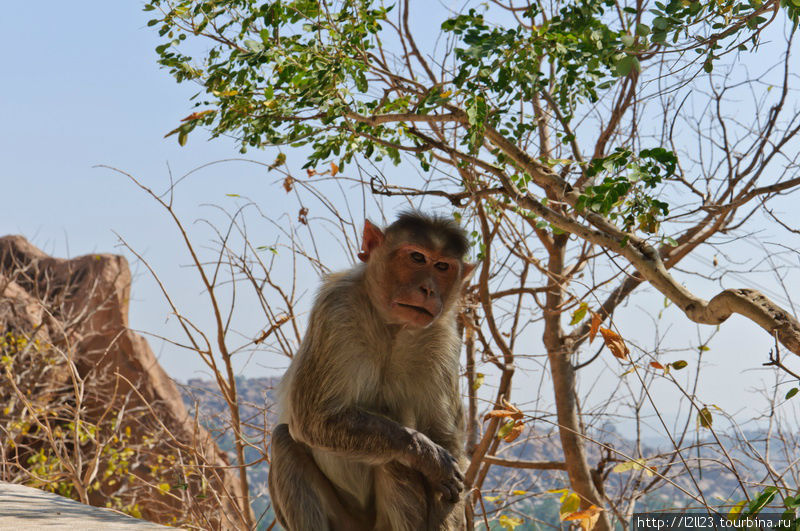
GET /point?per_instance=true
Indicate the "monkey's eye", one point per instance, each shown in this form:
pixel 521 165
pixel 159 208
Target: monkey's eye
pixel 442 266
pixel 418 257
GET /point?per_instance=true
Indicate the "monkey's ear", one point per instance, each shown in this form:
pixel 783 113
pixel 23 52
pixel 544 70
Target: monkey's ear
pixel 467 271
pixel 372 238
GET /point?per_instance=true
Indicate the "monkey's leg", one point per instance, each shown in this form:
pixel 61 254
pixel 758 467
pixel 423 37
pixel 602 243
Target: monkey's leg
pixel 303 497
pixel 447 516
pixel 405 501
pixel 401 499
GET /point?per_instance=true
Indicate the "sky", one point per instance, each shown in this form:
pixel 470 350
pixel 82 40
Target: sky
pixel 85 90
pixel 81 88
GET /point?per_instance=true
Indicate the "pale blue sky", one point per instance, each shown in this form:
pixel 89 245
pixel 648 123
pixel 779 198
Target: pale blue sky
pixel 80 86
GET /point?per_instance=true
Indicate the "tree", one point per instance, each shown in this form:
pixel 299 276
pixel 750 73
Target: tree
pixel 597 129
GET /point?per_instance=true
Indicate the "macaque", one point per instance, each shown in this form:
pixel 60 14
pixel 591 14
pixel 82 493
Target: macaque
pixel 371 425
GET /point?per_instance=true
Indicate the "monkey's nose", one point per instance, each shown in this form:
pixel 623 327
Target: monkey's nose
pixel 427 290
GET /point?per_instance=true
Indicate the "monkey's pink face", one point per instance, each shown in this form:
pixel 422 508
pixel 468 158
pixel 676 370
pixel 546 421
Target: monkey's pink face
pixel 418 281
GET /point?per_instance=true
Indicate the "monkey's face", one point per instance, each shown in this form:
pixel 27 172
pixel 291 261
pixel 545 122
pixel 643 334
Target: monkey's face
pixel 419 281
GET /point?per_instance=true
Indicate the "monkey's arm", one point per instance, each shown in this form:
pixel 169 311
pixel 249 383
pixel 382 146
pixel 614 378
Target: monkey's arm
pixel 358 434
pixel 324 417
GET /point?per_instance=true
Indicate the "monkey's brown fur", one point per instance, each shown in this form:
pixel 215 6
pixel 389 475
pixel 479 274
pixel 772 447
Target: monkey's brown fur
pixel 371 430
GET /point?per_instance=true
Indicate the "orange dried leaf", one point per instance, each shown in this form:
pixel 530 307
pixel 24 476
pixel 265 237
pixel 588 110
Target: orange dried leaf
pixel 596 320
pixel 656 365
pixel 511 407
pixel 197 115
pixel 615 343
pixel 302 216
pixel 587 518
pixel 515 432
pixel 288 183
pixel 499 413
pixel 311 172
pixel 334 169
pixel 586 513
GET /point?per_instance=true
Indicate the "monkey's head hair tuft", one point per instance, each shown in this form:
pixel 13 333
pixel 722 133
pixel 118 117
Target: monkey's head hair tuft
pixel 424 227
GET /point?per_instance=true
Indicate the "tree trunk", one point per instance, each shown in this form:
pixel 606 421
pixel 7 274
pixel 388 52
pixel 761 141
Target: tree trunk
pixel 563 374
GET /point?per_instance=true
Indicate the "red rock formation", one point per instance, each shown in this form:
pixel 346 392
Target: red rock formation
pixel 139 449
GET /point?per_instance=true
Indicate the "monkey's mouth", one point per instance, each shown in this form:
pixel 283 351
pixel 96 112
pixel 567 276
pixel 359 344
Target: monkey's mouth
pixel 419 309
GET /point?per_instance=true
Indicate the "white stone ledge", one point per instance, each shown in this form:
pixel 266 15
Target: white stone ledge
pixel 24 508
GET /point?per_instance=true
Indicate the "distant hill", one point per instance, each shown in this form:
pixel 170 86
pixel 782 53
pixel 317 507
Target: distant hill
pixel 529 487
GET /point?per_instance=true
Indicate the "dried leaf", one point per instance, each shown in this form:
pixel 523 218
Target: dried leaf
pixel 311 172
pixel 288 183
pixel 615 343
pixel 656 365
pixel 635 464
pixel 280 160
pixel 499 413
pixel 586 513
pixel 587 517
pixel 510 411
pixel 334 169
pixel 197 115
pixel 596 320
pixel 515 432
pixel 511 407
pixel 302 216
pixel 173 131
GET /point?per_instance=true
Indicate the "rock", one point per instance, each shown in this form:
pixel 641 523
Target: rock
pixel 74 376
pixel 23 508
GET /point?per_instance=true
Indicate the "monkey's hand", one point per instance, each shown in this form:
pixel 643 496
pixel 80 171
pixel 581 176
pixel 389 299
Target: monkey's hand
pixel 436 464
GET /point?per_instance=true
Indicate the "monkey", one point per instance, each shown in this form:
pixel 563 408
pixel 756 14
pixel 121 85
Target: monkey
pixel 370 432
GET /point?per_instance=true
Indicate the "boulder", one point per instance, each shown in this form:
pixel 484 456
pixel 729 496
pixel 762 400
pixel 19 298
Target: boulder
pixel 88 411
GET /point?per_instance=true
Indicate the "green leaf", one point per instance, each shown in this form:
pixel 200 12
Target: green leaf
pixel 793 391
pixel 506 428
pixel 253 46
pixel 660 23
pixel 627 40
pixel 760 502
pixel 509 523
pixel 570 503
pixel 579 314
pixel 678 365
pixel 625 65
pixel 642 30
pixel 479 377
